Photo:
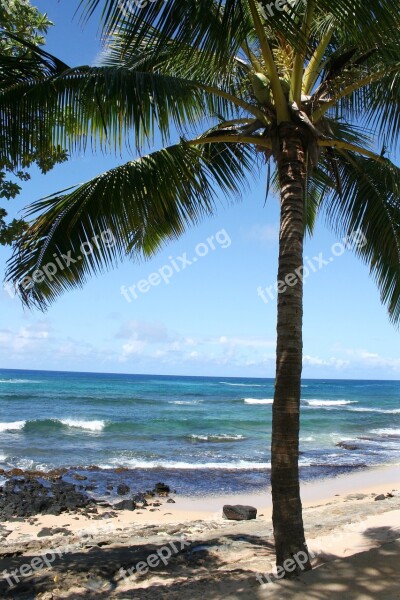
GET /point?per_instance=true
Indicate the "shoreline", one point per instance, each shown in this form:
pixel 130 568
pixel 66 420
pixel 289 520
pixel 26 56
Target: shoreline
pixel 342 518
pixel 321 491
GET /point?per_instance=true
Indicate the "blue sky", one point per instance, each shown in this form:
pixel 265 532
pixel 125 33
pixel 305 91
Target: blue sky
pixel 209 319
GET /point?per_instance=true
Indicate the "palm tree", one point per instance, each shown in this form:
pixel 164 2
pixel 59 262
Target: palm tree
pixel 311 86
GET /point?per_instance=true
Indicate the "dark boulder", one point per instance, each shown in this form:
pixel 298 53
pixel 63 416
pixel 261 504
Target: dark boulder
pixel 161 488
pixel 239 512
pixel 380 497
pixel 125 505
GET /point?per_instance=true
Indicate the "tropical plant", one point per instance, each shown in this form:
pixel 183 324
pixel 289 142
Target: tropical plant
pixel 311 86
pixel 22 27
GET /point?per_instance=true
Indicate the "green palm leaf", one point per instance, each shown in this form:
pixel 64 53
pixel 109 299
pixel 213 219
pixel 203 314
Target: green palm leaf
pixel 141 205
pixel 370 203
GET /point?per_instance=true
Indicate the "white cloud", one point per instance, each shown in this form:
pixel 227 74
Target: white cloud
pixel 26 338
pixel 373 359
pixel 247 342
pixel 134 347
pixel 316 361
pixel 145 331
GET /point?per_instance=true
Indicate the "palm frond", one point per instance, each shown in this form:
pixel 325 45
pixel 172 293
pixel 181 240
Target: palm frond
pixel 215 26
pixel 104 106
pixel 370 204
pixel 141 205
pixel 33 64
pixel 375 103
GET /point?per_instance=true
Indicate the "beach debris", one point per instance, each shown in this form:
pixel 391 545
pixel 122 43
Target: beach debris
pixel 239 512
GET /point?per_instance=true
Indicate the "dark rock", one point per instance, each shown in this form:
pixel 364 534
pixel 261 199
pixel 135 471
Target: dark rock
pixel 123 489
pixel 25 497
pixel 380 497
pixel 161 488
pixel 346 446
pixel 239 512
pixel 170 501
pixel 125 505
pixel 80 477
pixel 108 514
pixel 62 530
pixel 15 472
pixel 140 501
pixel 46 531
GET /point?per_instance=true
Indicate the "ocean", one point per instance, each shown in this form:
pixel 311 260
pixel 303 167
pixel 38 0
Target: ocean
pixel 201 435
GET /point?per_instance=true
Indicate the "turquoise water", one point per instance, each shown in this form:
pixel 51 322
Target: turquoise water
pixel 203 432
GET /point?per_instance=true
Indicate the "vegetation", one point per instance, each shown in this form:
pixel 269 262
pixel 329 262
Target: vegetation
pixel 19 23
pixel 312 87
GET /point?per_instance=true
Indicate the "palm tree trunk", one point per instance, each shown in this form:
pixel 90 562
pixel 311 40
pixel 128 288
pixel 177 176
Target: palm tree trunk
pixel 287 510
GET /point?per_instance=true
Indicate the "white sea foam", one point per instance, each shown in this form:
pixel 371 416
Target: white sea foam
pixel 241 384
pixel 387 431
pixel 13 426
pixel 323 403
pixel 222 437
pixel 169 464
pixel 20 381
pixel 257 401
pixel 307 439
pixel 185 402
pixel 89 425
pixel 384 411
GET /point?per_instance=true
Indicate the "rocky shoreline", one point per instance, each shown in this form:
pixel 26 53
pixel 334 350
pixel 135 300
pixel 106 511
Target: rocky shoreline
pixel 29 493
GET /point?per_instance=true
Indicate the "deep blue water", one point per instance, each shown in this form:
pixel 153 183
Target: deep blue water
pixel 200 433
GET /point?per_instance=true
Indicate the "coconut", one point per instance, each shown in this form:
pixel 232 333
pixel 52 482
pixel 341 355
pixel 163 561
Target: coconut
pixel 261 87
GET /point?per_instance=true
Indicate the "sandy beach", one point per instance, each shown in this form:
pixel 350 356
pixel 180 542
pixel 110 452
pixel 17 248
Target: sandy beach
pixel 107 554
